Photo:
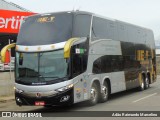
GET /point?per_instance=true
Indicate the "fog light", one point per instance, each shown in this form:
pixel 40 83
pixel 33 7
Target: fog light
pixel 18 100
pixel 65 98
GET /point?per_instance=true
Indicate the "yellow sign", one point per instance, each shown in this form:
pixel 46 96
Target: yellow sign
pixel 46 19
pixel 142 55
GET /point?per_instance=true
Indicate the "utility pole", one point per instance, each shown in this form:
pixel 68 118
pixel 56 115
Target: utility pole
pixel 10 61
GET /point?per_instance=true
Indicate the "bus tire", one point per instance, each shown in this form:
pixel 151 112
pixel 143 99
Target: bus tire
pixel 105 92
pixel 94 95
pixel 146 83
pixel 141 87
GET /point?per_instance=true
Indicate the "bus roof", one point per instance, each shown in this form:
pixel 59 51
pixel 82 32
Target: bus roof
pixel 89 13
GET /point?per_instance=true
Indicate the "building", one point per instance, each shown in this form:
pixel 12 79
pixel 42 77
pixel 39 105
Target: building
pixel 5 36
pixel 5 5
pixel 11 17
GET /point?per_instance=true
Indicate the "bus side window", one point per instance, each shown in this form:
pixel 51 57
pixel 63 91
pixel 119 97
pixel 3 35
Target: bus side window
pixel 79 59
pixel 99 28
pixel 106 64
pixel 76 64
pixel 79 64
pixel 117 63
pixel 82 25
pixel 97 66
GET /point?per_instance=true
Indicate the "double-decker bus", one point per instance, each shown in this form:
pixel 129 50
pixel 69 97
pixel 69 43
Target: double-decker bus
pixel 69 57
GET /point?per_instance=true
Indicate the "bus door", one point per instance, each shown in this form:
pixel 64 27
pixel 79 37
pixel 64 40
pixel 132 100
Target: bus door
pixel 77 74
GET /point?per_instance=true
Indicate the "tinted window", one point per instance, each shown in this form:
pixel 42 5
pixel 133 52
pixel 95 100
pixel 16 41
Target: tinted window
pixel 99 29
pixel 79 58
pixel 117 63
pixel 47 29
pixel 128 48
pixel 76 64
pixel 48 67
pixel 112 31
pixel 97 66
pixel 82 26
pixel 122 31
pixel 108 63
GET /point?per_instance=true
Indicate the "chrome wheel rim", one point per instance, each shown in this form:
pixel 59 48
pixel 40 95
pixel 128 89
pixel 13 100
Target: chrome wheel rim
pixel 147 82
pixel 142 85
pixel 93 94
pixel 104 92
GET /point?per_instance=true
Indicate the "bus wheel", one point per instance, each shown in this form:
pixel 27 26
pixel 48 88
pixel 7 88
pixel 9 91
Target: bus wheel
pixel 141 87
pixel 105 93
pixel 94 95
pixel 146 83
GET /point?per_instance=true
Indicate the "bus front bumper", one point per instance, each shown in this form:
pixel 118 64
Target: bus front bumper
pixel 64 98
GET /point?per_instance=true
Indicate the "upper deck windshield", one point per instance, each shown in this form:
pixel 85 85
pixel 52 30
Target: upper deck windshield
pixel 45 29
pixel 43 67
pixel 53 28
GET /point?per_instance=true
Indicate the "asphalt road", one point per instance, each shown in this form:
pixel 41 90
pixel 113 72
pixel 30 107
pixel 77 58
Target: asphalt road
pixel 132 100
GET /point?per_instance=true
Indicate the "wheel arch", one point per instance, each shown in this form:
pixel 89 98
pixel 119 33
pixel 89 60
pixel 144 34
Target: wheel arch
pixel 97 82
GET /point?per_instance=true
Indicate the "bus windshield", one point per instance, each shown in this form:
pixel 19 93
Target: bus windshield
pixel 43 67
pixel 45 29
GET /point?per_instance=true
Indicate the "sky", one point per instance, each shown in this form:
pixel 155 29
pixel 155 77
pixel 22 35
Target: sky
pixel 145 13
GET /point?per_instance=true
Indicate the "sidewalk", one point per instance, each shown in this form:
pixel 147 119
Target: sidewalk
pixel 4 99
pixel 6 87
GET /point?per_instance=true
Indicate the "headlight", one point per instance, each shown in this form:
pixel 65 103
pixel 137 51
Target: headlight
pixel 64 88
pixel 18 90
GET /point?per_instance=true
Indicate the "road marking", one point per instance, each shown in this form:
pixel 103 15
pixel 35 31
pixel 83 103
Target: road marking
pixel 144 97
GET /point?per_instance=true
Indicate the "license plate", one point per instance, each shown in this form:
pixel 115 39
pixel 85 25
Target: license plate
pixel 39 103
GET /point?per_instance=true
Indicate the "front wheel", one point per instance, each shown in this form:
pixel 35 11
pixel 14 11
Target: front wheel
pixel 93 95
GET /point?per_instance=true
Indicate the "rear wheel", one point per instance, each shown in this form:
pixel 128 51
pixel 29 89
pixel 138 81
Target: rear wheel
pixel 146 83
pixel 94 95
pixel 105 93
pixel 141 87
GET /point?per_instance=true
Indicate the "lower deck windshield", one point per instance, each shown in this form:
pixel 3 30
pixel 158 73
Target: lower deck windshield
pixel 43 67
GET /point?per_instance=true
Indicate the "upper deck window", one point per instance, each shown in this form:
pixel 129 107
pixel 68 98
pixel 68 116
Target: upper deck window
pixel 82 25
pixel 46 29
